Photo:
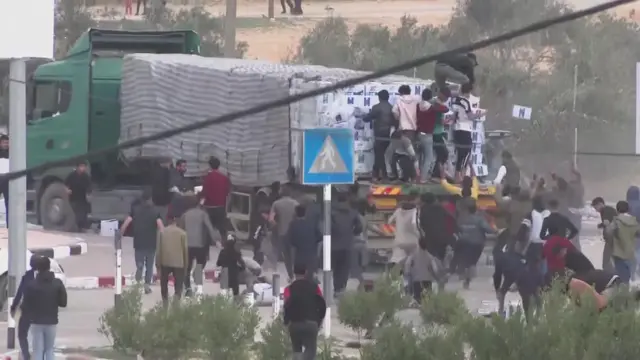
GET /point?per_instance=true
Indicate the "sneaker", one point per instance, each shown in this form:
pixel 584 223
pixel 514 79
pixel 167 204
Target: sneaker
pixel 147 289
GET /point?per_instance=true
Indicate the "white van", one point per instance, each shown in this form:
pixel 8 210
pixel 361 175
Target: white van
pixel 4 277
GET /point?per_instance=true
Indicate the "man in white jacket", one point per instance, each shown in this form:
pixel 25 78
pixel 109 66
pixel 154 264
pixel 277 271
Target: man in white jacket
pixel 405 112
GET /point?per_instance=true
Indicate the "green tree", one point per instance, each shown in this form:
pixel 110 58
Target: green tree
pixel 536 70
pixel 72 19
pixel 209 27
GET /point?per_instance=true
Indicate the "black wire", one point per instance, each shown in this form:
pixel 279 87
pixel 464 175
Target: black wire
pixel 309 94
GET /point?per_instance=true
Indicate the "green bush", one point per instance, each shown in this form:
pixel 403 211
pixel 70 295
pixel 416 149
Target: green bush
pixel 359 311
pixel 120 325
pixel 169 333
pixel 275 343
pixel 443 308
pixel 218 328
pixel 228 328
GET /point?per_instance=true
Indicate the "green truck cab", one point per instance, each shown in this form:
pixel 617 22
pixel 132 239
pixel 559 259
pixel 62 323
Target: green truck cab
pixel 74 108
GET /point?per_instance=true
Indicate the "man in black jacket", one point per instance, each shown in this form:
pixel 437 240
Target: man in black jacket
pixel 556 223
pixel 382 119
pixel 161 187
pixel 147 222
pixel 78 184
pixel 42 298
pixel 456 68
pixel 304 236
pixel 345 224
pixel 304 311
pixel 24 323
pixel 607 214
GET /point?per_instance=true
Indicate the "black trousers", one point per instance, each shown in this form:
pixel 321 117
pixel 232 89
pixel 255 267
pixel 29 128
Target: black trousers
pixel 304 339
pixel 419 288
pixel 341 265
pixel 218 218
pixel 178 279
pixel 510 270
pixel 81 211
pixel 379 162
pixel 144 6
pixel 286 3
pixel 199 255
pixel 23 336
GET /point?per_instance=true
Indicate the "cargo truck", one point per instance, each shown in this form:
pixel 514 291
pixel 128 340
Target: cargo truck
pixel 115 86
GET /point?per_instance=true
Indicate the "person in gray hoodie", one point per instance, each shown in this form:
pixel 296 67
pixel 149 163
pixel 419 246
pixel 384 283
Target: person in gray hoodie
pixel 345 224
pixel 473 228
pixel 200 236
pixel 360 246
pixel 624 229
pixel 422 268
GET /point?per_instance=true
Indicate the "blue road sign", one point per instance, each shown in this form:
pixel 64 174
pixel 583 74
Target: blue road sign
pixel 328 156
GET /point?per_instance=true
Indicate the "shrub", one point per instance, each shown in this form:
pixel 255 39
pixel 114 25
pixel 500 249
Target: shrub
pixel 170 333
pixel 275 343
pixel 443 308
pixel 359 311
pixel 120 325
pixel 227 328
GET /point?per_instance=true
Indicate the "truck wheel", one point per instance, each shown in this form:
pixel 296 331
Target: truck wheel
pixel 55 211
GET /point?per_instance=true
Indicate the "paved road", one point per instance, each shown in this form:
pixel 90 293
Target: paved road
pixel 80 321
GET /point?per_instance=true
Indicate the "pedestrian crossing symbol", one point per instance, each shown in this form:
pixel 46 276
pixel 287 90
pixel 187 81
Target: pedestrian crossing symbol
pixel 328 159
pixel 328 156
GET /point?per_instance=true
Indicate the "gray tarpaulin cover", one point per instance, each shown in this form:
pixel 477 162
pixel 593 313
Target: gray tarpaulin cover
pixel 164 91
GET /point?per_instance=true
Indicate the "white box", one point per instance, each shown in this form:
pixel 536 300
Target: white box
pixel 108 227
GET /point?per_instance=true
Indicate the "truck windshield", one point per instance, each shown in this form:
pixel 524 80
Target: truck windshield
pixel 50 98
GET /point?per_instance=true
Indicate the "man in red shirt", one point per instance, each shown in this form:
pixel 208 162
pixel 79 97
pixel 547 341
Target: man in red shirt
pixel 426 114
pixel 552 254
pixel 215 191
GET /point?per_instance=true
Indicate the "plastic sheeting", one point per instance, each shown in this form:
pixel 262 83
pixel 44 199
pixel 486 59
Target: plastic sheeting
pixel 165 91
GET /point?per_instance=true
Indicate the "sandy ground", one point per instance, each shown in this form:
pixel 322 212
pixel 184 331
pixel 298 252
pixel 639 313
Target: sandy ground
pixel 278 40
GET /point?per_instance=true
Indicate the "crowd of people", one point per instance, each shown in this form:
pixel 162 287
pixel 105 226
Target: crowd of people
pixel 410 134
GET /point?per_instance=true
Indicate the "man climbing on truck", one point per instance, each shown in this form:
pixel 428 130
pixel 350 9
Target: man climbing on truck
pixel 381 117
pixel 457 68
pixel 426 125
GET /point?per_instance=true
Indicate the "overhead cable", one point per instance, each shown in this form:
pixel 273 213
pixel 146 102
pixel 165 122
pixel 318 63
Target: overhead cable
pixel 316 92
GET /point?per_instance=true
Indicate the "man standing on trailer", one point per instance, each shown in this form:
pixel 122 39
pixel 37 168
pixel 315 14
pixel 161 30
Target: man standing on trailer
pixel 215 191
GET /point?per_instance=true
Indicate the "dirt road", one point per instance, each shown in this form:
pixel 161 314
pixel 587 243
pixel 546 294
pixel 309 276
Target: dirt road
pixel 281 40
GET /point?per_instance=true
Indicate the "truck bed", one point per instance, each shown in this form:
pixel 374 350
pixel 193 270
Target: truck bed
pixel 164 91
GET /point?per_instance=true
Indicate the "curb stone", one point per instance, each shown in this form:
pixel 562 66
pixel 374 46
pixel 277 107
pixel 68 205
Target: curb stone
pixel 101 282
pixel 62 251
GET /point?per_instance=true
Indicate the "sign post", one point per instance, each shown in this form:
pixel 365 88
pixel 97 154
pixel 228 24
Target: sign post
pixel 33 20
pixel 328 159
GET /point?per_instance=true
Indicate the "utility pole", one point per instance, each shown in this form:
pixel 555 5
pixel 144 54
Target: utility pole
pixel 17 210
pixel 271 11
pixel 230 29
pixel 575 130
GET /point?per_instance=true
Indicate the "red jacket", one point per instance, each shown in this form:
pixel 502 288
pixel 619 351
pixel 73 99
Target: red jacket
pixel 216 188
pixel 555 262
pixel 287 292
pixel 426 120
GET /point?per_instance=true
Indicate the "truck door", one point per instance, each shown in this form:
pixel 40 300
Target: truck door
pixel 58 124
